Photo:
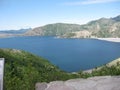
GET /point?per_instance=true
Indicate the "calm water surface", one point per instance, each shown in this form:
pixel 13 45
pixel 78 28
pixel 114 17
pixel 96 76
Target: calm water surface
pixel 69 54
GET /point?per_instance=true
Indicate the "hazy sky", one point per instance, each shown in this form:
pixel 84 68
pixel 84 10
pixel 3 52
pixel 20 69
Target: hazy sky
pixel 16 14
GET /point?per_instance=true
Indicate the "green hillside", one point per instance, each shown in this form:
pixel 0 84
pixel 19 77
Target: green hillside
pixel 57 29
pixel 23 70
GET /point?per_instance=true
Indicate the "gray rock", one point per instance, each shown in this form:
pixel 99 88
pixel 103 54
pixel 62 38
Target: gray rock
pixel 81 84
pixel 40 86
pixel 93 83
pixel 59 85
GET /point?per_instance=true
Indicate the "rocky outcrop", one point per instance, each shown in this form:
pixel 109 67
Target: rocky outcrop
pixel 82 34
pixel 94 83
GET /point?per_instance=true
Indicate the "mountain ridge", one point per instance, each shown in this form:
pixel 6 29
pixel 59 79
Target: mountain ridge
pixel 101 28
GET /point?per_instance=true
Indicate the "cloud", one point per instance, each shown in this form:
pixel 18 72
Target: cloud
pixel 98 1
pixel 86 2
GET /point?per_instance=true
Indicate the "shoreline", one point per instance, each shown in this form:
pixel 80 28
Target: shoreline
pixel 110 39
pixel 104 39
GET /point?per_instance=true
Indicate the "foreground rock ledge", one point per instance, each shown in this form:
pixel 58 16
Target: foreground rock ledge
pixel 94 83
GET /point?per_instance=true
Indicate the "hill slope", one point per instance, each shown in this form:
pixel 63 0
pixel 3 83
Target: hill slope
pixel 23 70
pixel 104 27
pixel 57 29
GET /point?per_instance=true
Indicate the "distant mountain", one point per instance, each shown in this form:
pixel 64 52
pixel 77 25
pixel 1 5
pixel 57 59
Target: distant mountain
pixel 101 28
pixel 56 29
pixel 116 18
pixel 104 27
pixel 20 31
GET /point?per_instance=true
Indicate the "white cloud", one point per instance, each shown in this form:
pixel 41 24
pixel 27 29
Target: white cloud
pixel 86 2
pixel 98 1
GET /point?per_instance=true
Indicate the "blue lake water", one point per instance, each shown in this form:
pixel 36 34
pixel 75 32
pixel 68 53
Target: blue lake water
pixel 69 54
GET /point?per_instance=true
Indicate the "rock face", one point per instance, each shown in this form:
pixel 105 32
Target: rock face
pixel 82 34
pixel 94 83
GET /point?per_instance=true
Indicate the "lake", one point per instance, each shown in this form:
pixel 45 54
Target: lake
pixel 69 54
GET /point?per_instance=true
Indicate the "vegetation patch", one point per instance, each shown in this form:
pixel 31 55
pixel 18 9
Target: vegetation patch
pixel 23 70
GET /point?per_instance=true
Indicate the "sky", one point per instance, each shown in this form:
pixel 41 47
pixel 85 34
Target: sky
pixel 17 14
